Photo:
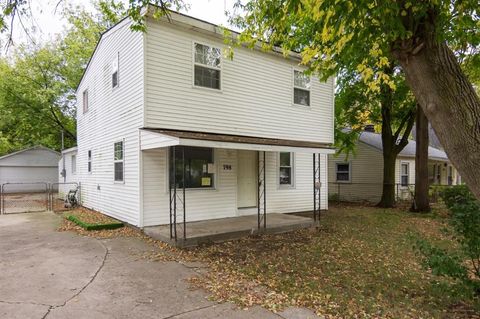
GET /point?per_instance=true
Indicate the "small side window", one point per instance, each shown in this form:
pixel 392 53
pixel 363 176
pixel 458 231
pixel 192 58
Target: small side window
pixel 74 164
pixel 118 162
pixel 85 100
pixel 115 81
pixel 89 161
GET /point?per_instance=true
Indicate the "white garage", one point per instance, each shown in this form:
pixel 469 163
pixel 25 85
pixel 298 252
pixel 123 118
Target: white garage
pixel 28 168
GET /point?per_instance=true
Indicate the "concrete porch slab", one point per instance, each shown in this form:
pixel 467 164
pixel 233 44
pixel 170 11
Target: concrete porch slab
pixel 225 229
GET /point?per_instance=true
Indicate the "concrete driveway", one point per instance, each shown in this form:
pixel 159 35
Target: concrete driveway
pixel 50 274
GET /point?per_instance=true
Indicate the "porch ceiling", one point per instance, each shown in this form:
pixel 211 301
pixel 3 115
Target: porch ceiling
pixel 159 138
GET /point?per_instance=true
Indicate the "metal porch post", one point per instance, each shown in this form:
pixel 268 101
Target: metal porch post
pixel 317 187
pixel 262 190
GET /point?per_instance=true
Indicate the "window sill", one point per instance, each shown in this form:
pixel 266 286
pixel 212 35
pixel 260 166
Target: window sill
pixel 343 182
pixel 301 106
pixel 197 87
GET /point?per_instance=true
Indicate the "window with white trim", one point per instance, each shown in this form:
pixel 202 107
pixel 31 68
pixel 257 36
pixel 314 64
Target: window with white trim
pixel 89 161
pixel 404 173
pixel 85 100
pixel 207 66
pixel 118 161
pixel 301 88
pixel 115 72
pixel 74 164
pixel 285 169
pixel 199 167
pixel 342 172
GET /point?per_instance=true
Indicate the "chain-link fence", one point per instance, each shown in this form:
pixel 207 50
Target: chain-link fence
pixel 23 197
pixel 372 192
pixel 38 197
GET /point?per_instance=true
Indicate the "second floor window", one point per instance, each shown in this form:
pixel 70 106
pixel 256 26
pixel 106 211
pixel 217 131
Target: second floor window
pixel 85 101
pixel 207 68
pixel 301 88
pixel 115 72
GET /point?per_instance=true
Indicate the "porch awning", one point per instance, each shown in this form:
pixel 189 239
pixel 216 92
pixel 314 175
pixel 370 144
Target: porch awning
pixel 159 138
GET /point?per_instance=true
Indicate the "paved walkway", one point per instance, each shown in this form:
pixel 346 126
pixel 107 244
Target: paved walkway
pixel 50 274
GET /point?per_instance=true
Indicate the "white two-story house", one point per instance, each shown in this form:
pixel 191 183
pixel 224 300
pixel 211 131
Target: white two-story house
pixel 172 131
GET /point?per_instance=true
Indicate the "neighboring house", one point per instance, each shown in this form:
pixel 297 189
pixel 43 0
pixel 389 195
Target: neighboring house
pixel 29 170
pixel 67 171
pixel 359 176
pixel 147 98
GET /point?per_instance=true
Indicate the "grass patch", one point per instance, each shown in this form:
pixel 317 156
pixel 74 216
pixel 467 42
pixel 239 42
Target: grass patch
pixel 90 220
pixel 361 264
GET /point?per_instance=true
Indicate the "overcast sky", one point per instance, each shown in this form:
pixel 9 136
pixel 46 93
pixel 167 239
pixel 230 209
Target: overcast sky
pixel 47 22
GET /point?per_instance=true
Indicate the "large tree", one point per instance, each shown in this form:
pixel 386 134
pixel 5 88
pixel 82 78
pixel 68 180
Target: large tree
pixel 428 38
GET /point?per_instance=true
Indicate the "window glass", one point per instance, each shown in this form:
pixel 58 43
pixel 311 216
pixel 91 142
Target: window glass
pixel 301 88
pixel 285 174
pixel 85 101
pixel 207 66
pixel 89 161
pixel 74 164
pixel 207 55
pixel 343 172
pixel 115 72
pixel 118 161
pixel 404 174
pixel 199 168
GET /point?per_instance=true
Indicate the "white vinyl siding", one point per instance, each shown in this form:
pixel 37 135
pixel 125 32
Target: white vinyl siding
pixel 113 114
pixel 255 98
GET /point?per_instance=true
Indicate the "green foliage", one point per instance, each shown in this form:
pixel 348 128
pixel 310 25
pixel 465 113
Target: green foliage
pixel 158 8
pixel 462 264
pixel 38 82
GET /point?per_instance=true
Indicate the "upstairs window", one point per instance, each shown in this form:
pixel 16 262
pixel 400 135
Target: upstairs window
pixel 207 66
pixel 342 172
pixel 404 174
pixel 301 88
pixel 115 72
pixel 199 167
pixel 89 161
pixel 286 169
pixel 85 101
pixel 74 164
pixel 118 161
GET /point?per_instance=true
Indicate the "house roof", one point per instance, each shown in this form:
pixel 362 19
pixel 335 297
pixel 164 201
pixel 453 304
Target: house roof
pixel 69 150
pixel 191 23
pixel 190 138
pixel 432 137
pixel 375 140
pixel 37 147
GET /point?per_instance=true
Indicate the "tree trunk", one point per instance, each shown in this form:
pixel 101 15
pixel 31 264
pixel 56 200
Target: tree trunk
pixel 421 201
pixel 388 191
pixel 450 103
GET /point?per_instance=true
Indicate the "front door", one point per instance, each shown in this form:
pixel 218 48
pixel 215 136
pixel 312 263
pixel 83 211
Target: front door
pixel 247 179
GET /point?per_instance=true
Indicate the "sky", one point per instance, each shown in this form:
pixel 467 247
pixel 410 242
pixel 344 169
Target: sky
pixel 47 20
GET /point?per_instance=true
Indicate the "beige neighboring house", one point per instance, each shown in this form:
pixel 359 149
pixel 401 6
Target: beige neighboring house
pixel 359 177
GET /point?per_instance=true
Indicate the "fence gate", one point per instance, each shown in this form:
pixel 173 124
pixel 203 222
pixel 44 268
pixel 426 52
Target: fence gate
pixel 57 194
pixel 24 197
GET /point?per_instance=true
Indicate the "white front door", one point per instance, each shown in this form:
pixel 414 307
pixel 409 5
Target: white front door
pixel 247 179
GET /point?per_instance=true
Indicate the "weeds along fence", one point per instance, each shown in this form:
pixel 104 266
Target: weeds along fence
pixel 372 192
pixel 36 197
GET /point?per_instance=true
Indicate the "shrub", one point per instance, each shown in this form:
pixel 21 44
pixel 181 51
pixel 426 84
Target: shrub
pixel 464 220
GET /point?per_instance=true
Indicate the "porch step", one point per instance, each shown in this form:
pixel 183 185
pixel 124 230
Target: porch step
pixel 225 229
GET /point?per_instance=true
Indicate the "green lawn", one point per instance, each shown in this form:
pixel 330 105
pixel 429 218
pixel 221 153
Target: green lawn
pixel 360 264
